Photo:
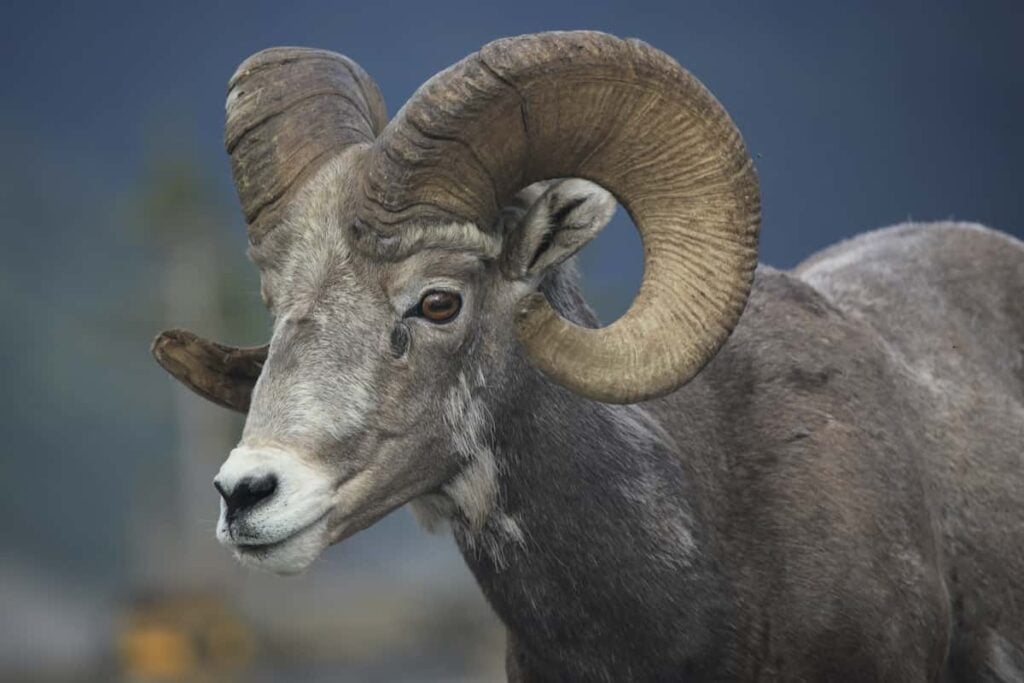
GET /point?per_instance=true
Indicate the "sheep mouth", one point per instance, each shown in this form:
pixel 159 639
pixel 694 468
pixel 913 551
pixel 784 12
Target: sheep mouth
pixel 260 548
pixel 289 555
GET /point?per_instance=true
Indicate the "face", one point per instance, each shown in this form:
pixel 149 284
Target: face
pixel 375 389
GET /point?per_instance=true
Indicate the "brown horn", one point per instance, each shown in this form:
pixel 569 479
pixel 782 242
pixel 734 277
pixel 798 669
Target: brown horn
pixel 619 113
pixel 289 110
pixel 223 374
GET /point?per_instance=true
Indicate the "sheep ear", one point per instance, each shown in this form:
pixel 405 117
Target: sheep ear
pixel 567 215
pixel 223 374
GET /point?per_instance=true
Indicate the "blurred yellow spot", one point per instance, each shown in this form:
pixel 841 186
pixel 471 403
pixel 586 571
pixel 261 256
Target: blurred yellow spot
pixel 183 638
pixel 156 652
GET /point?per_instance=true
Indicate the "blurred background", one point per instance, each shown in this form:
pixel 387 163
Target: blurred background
pixel 118 219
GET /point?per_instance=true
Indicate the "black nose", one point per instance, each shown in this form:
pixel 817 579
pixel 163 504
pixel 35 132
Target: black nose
pixel 246 493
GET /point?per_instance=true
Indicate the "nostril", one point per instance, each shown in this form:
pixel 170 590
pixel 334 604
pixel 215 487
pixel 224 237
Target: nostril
pixel 252 490
pixel 247 493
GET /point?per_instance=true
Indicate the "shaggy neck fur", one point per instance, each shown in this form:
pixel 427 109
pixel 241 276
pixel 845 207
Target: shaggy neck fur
pixel 573 532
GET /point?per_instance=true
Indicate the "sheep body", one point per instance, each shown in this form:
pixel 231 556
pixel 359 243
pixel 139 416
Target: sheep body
pixel 838 495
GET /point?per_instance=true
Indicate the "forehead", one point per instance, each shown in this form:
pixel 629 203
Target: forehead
pixel 322 266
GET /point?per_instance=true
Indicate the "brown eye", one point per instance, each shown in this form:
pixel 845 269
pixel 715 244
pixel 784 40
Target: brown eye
pixel 440 307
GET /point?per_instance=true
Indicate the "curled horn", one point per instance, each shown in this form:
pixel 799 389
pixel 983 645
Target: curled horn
pixel 584 104
pixel 619 113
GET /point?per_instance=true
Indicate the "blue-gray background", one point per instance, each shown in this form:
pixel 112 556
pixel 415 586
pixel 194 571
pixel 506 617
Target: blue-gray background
pixel 859 115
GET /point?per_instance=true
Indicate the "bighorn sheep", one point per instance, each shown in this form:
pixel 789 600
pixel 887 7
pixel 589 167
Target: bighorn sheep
pixel 834 491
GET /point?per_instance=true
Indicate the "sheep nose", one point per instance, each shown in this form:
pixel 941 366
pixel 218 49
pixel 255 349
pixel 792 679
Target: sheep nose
pixel 246 493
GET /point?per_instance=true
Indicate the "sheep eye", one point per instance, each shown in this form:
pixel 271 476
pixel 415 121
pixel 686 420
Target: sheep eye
pixel 440 306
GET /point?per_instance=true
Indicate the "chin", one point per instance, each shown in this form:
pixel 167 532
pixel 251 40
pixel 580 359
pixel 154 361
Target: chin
pixel 290 556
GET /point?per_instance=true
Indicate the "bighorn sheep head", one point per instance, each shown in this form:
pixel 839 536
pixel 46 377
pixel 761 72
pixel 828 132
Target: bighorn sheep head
pixel 375 239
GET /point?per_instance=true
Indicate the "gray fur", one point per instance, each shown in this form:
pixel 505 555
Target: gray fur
pixel 838 495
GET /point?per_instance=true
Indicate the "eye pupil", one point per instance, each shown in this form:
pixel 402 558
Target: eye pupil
pixel 440 306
